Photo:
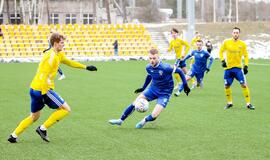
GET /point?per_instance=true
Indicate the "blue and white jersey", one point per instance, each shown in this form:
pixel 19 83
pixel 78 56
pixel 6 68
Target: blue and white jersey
pixel 200 63
pixel 162 80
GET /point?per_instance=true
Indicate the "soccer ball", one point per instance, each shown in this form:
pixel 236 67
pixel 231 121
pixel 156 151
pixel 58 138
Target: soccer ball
pixel 141 105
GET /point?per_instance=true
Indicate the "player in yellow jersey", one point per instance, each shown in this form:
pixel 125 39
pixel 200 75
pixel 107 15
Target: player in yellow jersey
pixel 235 49
pixel 42 90
pixel 177 45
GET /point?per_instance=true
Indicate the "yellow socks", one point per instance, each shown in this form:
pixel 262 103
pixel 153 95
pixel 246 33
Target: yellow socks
pixel 246 95
pixel 55 117
pixel 177 77
pixel 228 92
pixel 23 125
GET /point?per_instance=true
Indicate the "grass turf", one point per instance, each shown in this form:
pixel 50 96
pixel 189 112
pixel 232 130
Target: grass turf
pixel 193 127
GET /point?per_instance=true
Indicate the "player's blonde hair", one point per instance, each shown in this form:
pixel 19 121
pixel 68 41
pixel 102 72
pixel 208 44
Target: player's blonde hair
pixel 153 51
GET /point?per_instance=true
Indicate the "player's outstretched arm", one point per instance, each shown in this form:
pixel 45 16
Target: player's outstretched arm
pixel 245 53
pixel 147 81
pixel 75 64
pixel 186 88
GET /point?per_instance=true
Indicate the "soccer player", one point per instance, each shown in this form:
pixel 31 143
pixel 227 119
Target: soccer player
pixel 42 90
pixel 194 40
pixel 194 47
pixel 199 67
pixel 209 46
pixel 235 49
pixel 59 71
pixel 177 44
pixel 161 88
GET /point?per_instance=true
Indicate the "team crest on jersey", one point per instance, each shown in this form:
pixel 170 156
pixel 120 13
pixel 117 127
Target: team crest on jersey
pixel 201 55
pixel 160 72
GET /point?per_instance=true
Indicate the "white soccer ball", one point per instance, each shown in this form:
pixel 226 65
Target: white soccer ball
pixel 141 105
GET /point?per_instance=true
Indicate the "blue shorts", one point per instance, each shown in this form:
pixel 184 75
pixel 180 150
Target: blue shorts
pixel 162 99
pixel 182 64
pixel 232 73
pixel 199 75
pixel 51 99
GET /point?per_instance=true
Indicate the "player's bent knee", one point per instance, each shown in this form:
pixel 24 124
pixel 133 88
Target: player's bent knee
pixel 66 107
pixel 35 116
pixel 244 85
pixel 157 110
pixel 226 87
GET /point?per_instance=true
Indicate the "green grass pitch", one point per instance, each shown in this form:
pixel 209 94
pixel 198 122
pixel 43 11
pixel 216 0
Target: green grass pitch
pixel 191 128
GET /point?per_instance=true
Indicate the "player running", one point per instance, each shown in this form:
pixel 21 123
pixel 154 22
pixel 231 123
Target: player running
pixel 177 45
pixel 235 49
pixel 199 67
pixel 42 90
pixel 161 88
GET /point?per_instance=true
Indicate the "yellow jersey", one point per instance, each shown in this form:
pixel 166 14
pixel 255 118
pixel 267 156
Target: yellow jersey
pixel 235 50
pixel 177 44
pixel 47 70
pixel 193 43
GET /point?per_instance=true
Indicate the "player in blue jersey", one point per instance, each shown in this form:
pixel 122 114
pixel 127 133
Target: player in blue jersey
pixel 199 67
pixel 160 89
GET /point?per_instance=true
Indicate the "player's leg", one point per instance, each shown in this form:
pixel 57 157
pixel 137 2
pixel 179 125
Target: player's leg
pixel 147 94
pixel 199 79
pixel 60 72
pixel 183 67
pixel 36 105
pixel 160 106
pixel 54 101
pixel 189 76
pixel 193 81
pixel 228 80
pixel 151 117
pixel 242 80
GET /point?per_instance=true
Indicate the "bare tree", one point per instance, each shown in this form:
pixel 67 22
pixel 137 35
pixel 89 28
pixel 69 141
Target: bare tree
pixel 94 11
pixel 8 11
pixel 48 10
pixel 124 11
pixel 22 11
pixel 1 6
pixel 150 13
pixel 107 4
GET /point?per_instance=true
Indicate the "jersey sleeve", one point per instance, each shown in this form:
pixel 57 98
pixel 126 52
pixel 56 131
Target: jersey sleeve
pixel 170 47
pixel 72 63
pixel 187 47
pixel 168 68
pixel 245 53
pixel 207 54
pixel 44 74
pixel 221 51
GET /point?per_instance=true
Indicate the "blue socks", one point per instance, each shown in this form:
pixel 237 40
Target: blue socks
pixel 149 118
pixel 127 112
